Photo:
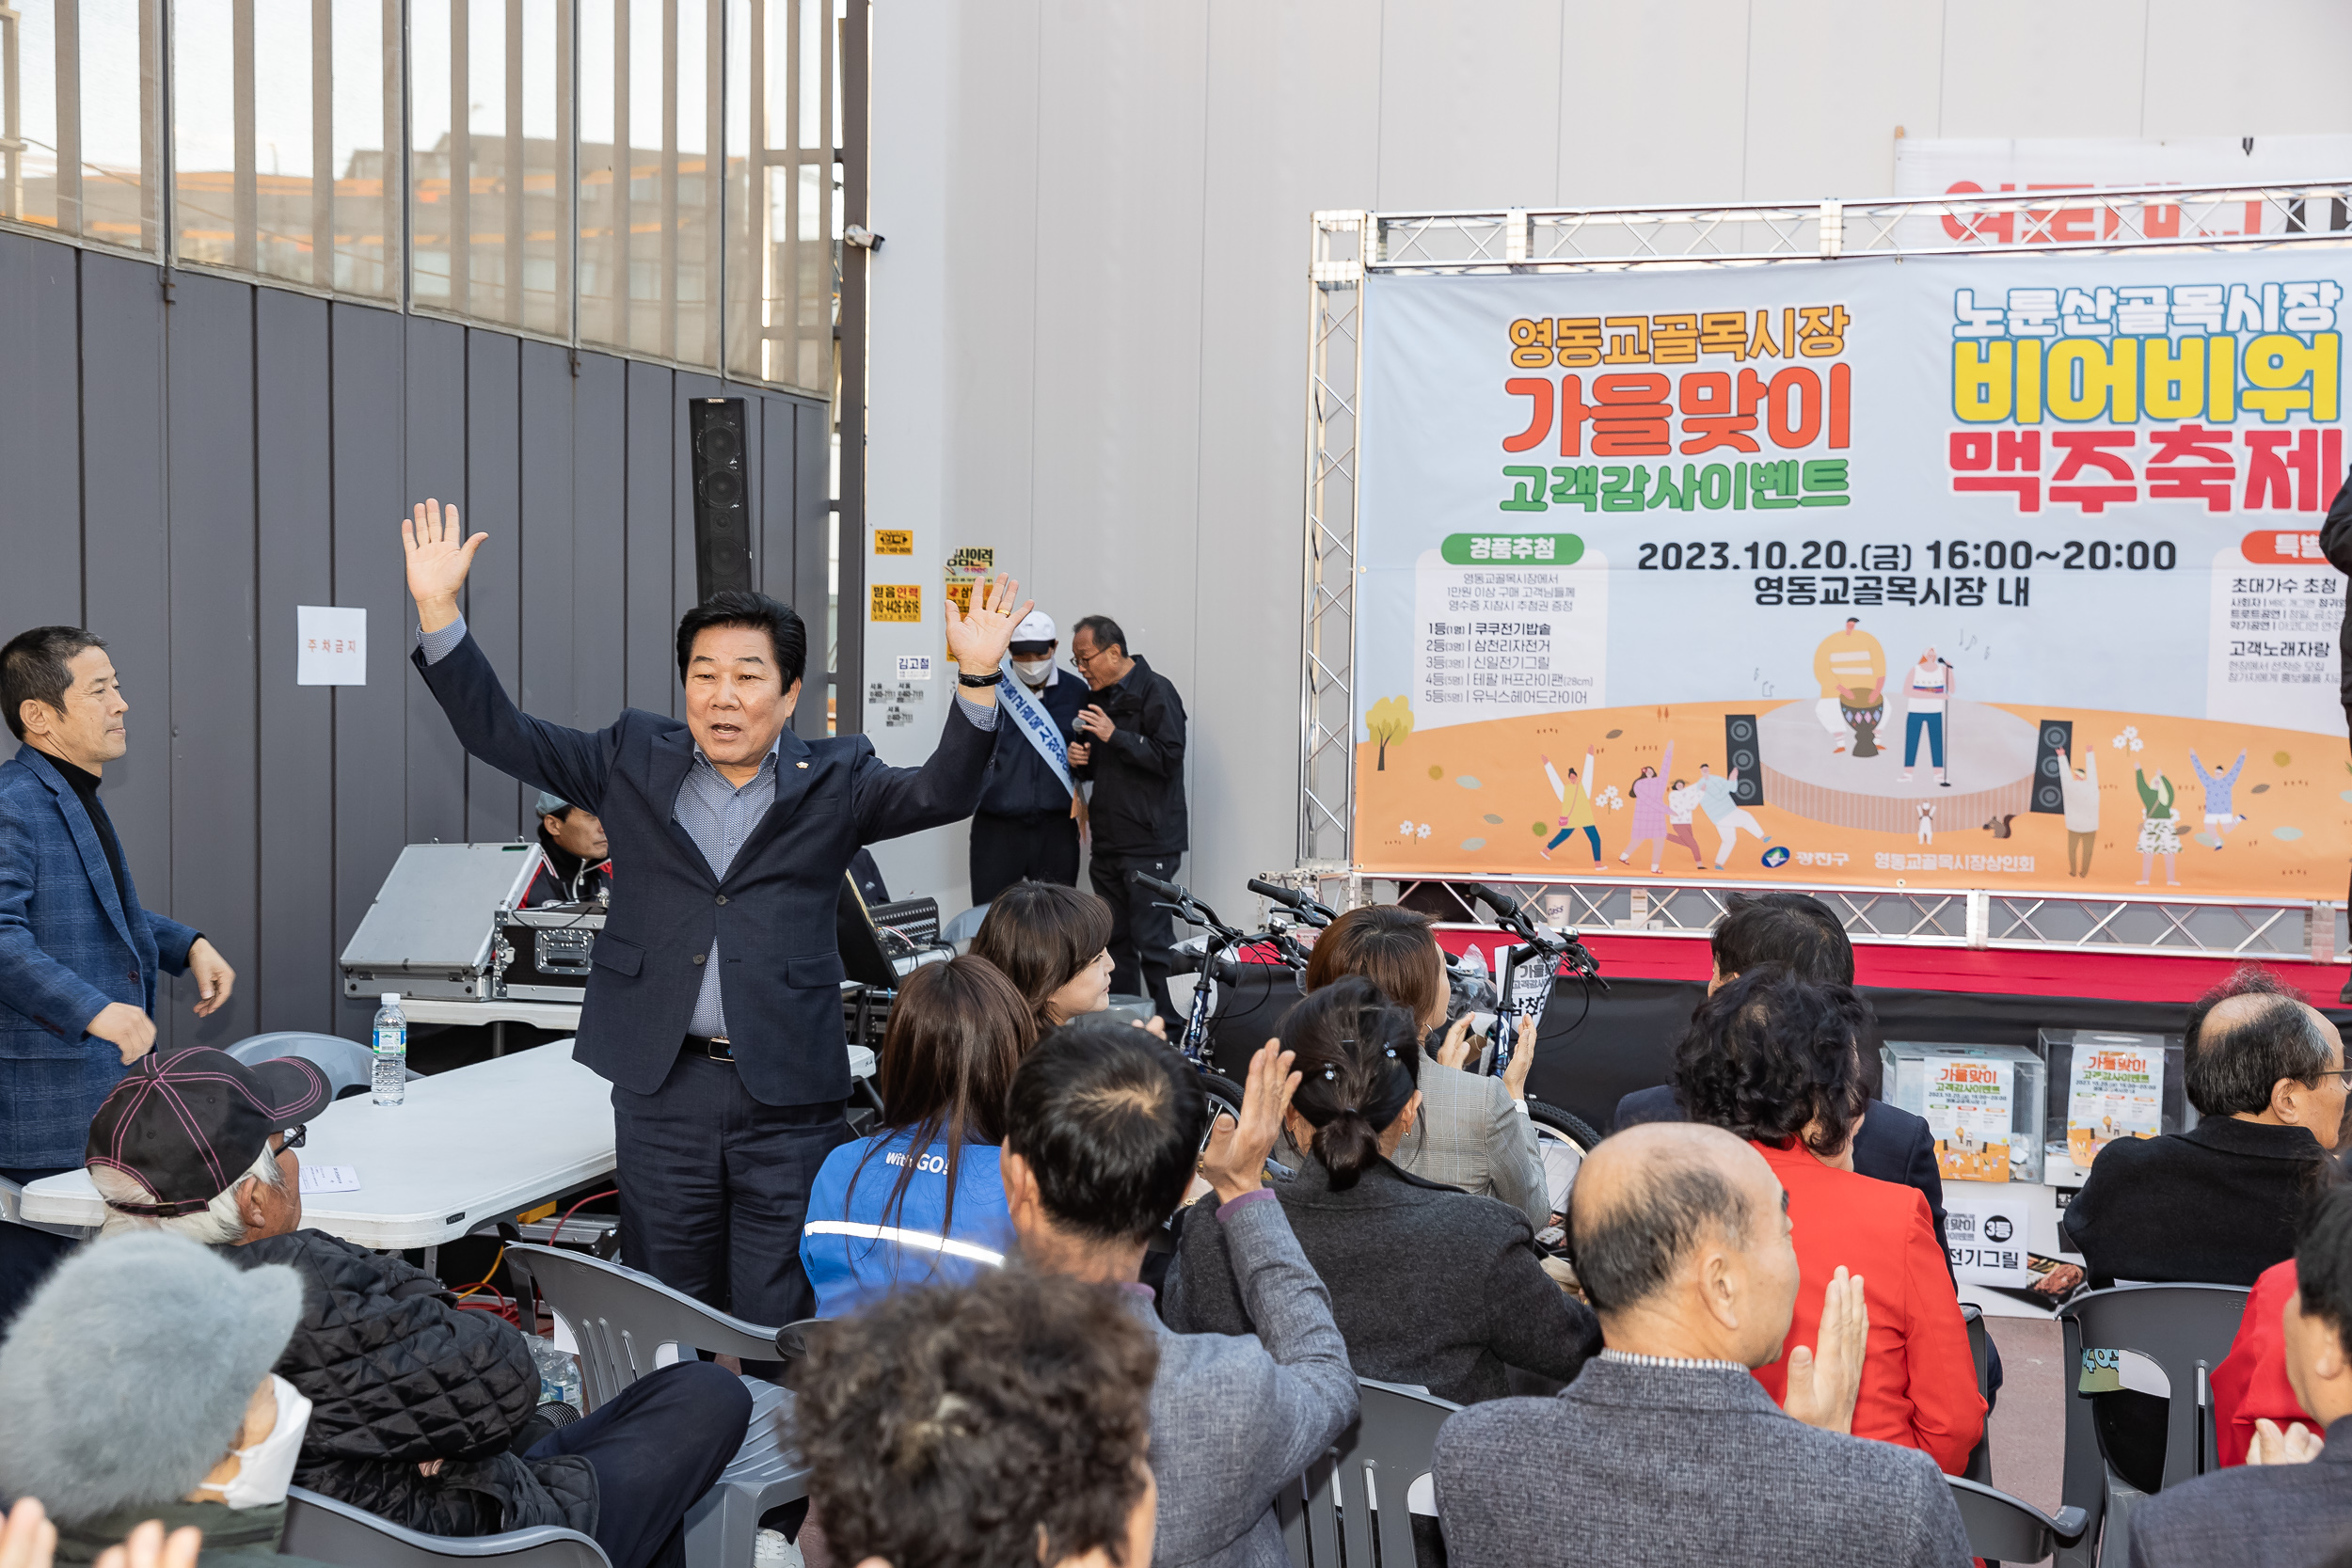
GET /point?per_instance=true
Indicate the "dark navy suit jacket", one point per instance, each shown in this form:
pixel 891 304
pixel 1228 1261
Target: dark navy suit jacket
pixel 773 915
pixel 69 947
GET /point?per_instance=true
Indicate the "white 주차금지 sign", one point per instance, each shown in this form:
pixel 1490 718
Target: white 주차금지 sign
pixel 330 643
pixel 1986 1238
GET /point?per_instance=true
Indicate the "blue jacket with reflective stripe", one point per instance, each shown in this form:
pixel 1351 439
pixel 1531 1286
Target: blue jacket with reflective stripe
pixel 856 1252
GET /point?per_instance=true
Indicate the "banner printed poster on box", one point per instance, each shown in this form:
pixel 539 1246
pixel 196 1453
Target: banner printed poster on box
pixel 1984 572
pixel 1984 1235
pixel 2117 1092
pixel 1968 1111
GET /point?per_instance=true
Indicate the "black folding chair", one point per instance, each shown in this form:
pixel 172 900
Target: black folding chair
pixel 2185 1330
pixel 2002 1528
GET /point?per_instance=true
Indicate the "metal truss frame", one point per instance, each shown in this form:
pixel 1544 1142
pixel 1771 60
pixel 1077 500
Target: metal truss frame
pixel 1347 247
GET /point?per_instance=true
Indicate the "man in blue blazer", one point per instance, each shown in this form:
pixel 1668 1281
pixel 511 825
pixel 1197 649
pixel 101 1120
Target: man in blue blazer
pixel 78 956
pixel 713 1001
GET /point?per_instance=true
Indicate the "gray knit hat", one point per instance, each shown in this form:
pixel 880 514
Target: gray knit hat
pixel 125 1378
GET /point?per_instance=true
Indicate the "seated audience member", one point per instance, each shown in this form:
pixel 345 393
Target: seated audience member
pixel 1101 1136
pixel 1473 1132
pixel 1429 1285
pixel 1800 932
pixel 420 1412
pixel 1026 1390
pixel 1053 944
pixel 137 1386
pixel 2219 1203
pixel 2250 1387
pixel 920 1200
pixel 1777 1061
pixel 1667 1451
pixel 577 864
pixel 2293 1508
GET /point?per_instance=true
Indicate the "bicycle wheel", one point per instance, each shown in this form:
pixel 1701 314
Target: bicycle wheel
pixel 1562 1141
pixel 1224 1100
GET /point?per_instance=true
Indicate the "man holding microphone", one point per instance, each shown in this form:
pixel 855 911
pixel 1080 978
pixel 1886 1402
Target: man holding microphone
pixel 713 1003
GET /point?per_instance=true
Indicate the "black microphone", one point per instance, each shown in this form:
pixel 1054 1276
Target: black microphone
pixel 1165 889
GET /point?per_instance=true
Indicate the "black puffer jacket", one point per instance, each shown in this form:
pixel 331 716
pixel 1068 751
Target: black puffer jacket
pixel 397 1375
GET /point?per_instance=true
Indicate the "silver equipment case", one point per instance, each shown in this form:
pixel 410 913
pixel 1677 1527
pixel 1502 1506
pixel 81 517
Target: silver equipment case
pixel 432 928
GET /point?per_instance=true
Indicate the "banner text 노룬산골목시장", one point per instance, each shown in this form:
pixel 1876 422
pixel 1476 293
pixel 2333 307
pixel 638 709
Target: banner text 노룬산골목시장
pixel 1953 572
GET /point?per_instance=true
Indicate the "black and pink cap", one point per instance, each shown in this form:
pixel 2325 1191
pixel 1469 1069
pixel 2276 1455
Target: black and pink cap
pixel 187 1126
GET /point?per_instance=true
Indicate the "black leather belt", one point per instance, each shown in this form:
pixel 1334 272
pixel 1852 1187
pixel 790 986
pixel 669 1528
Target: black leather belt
pixel 718 1050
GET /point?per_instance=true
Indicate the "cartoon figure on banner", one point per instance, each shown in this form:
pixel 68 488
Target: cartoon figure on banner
pixel 2159 827
pixel 1681 801
pixel 2079 787
pixel 2219 788
pixel 1719 800
pixel 1575 808
pixel 1926 821
pixel 1851 670
pixel 1649 814
pixel 1925 693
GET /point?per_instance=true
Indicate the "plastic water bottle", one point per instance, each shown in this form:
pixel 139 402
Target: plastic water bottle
pixel 391 1052
pixel 559 1374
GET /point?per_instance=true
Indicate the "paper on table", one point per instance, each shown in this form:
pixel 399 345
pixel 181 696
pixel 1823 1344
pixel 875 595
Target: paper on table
pixel 329 1179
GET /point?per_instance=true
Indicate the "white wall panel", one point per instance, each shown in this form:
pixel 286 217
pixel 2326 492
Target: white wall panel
pixel 1998 75
pixel 1655 98
pixel 2247 68
pixel 1470 103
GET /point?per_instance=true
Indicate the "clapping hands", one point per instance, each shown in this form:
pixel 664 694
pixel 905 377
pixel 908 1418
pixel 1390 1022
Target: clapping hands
pixel 1234 1161
pixel 1825 1379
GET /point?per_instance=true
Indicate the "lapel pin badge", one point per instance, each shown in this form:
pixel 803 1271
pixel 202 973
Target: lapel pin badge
pixel 800 764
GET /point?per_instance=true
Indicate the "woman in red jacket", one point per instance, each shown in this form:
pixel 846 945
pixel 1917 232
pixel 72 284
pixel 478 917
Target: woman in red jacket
pixel 1777 1061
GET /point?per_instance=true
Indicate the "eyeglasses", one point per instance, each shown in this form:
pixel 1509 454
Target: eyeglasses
pixel 295 1137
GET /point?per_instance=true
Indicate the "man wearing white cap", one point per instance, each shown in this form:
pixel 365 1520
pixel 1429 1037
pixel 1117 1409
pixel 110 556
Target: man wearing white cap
pixel 1030 809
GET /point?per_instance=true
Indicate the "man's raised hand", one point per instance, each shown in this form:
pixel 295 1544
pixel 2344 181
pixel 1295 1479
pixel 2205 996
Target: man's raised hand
pixel 440 556
pixel 977 639
pixel 1234 1161
pixel 1824 1381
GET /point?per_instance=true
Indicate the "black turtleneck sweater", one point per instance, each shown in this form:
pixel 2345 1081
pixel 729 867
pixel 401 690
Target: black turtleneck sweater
pixel 86 788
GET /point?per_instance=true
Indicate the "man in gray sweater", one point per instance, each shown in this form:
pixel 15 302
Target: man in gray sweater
pixel 1101 1137
pixel 1666 1450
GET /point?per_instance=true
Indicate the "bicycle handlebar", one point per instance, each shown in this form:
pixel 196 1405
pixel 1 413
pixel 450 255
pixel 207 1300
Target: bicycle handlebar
pixel 1305 905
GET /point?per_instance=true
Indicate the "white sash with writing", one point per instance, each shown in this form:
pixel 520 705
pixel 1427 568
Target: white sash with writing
pixel 1035 723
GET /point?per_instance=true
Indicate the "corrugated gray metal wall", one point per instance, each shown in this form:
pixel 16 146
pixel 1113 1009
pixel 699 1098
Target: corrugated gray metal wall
pixel 179 472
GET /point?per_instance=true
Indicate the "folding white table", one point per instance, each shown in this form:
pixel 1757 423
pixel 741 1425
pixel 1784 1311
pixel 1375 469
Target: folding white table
pixel 470 1147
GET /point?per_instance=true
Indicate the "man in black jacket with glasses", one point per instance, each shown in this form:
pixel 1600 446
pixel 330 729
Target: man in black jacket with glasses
pixel 1131 747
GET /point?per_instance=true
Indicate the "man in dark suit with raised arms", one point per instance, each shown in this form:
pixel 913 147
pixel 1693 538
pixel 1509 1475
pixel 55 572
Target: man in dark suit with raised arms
pixel 713 1003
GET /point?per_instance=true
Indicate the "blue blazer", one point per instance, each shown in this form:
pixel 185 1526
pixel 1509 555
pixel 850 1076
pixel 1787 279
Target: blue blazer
pixel 773 914
pixel 68 949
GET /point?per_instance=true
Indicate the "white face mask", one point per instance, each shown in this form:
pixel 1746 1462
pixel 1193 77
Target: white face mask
pixel 266 1469
pixel 1034 671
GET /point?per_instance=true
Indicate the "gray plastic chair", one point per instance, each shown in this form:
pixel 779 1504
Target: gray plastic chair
pixel 1980 1466
pixel 347 1064
pixel 2185 1329
pixel 2002 1528
pixel 328 1531
pixel 622 1319
pixel 1360 1487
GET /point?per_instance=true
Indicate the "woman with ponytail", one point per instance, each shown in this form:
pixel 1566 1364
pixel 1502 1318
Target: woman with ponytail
pixel 1429 1285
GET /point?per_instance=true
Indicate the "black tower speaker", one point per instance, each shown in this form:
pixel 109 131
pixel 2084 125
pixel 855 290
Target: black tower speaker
pixel 2053 739
pixel 1741 751
pixel 722 513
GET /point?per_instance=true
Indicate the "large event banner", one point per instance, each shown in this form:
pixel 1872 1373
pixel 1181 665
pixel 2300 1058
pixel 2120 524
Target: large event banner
pixel 1996 572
